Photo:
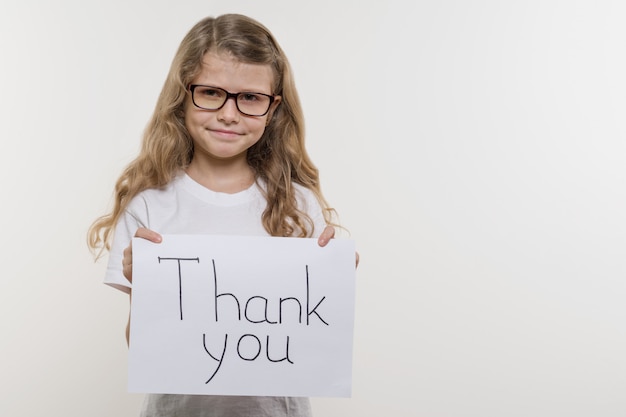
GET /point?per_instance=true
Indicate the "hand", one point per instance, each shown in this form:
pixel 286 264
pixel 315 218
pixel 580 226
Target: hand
pixel 127 262
pixel 327 235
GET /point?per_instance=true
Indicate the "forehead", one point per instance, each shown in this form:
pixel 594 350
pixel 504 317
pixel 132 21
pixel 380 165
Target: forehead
pixel 223 70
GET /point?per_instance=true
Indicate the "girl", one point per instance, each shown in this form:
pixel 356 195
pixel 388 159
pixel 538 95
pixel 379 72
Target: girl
pixel 223 154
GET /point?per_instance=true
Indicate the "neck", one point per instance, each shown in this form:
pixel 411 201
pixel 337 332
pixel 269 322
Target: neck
pixel 223 178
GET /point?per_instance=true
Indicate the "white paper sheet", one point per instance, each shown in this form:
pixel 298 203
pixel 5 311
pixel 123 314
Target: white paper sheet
pixel 234 315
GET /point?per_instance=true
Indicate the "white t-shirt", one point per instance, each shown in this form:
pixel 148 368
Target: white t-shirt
pixel 186 207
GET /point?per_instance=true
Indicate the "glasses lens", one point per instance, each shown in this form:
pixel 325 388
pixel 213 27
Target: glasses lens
pixel 253 104
pixel 209 98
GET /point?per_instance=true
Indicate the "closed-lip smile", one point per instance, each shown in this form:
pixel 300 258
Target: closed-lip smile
pixel 225 132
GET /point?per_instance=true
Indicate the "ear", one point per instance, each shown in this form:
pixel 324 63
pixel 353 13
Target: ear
pixel 274 106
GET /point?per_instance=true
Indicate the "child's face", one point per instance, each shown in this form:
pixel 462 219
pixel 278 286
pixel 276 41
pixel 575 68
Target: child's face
pixel 226 134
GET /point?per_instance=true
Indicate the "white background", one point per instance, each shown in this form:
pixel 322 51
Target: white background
pixel 475 150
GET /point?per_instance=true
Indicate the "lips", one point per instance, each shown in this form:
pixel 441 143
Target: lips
pixel 225 133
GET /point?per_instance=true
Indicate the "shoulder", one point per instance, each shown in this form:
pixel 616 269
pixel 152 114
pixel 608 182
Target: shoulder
pixel 304 196
pixel 154 198
pixel 308 203
pixel 307 200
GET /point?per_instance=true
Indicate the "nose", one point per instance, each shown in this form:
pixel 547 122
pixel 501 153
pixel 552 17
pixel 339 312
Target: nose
pixel 229 112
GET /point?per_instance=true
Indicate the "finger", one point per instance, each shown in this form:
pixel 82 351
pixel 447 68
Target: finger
pixel 357 260
pixel 127 270
pixel 148 234
pixel 128 253
pixel 326 236
pixel 127 263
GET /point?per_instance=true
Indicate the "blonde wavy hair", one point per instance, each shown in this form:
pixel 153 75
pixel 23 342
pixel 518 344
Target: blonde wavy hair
pixel 279 158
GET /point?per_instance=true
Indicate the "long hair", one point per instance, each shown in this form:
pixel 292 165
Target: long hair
pixel 278 159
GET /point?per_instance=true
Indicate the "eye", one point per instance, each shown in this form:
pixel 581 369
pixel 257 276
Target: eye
pixel 210 92
pixel 250 97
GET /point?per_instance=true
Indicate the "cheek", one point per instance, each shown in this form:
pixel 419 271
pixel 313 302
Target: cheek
pixel 194 119
pixel 259 127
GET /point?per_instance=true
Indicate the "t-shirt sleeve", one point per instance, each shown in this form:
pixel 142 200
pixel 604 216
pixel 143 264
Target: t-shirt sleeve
pixel 129 222
pixel 314 210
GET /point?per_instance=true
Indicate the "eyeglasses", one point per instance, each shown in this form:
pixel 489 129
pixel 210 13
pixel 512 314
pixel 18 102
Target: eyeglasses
pixel 214 98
